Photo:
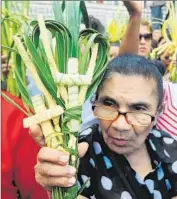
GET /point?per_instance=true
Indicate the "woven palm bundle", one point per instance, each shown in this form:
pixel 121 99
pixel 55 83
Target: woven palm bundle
pixel 67 67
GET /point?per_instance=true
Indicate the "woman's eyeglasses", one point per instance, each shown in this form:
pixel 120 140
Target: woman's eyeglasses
pixel 111 114
pixel 147 36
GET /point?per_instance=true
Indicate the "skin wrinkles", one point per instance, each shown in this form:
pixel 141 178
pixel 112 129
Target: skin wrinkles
pixel 125 92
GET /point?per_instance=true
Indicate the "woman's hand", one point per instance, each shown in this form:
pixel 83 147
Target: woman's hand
pixel 36 133
pixel 53 169
pixel 133 7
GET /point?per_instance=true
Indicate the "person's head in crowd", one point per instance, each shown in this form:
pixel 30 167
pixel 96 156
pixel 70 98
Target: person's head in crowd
pixel 114 50
pixel 160 65
pixel 156 34
pixel 94 23
pixel 154 44
pixel 165 56
pixel 5 69
pixel 145 39
pixel 125 105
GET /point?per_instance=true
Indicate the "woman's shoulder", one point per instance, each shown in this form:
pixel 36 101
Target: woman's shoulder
pixel 164 145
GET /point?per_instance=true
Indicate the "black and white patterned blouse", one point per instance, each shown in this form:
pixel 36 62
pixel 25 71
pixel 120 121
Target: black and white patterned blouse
pixel 111 176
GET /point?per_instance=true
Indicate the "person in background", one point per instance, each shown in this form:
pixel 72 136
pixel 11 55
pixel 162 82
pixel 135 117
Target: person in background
pixel 157 17
pixel 4 70
pixel 114 50
pixel 165 56
pixel 145 39
pixel 19 153
pixel 159 65
pixel 4 66
pixel 94 23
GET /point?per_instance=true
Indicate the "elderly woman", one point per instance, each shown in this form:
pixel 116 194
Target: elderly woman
pixel 124 157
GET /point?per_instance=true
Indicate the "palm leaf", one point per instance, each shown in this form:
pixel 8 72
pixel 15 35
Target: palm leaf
pixel 42 69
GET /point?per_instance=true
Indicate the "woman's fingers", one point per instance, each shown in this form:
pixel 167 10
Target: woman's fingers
pixel 53 169
pixel 52 155
pixel 36 133
pixel 47 183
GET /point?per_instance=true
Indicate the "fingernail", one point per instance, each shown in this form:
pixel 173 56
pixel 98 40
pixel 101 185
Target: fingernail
pixel 72 180
pixel 72 170
pixel 64 158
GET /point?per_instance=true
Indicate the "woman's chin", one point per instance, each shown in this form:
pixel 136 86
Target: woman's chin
pixel 120 149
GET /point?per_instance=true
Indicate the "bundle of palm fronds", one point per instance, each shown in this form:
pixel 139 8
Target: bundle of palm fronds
pixel 169 33
pixel 67 68
pixel 11 24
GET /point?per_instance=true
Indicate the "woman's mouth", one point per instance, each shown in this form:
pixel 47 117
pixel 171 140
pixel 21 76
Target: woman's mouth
pixel 142 49
pixel 119 142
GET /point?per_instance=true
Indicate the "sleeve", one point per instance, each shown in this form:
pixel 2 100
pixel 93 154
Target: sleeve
pixel 166 149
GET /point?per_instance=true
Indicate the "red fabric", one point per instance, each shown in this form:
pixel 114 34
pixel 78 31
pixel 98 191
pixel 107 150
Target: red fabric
pixel 19 154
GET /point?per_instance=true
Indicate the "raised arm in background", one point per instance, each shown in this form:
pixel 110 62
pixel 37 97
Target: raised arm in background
pixel 130 40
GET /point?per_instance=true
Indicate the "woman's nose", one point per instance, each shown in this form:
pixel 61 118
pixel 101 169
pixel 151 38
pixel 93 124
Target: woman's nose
pixel 142 40
pixel 121 123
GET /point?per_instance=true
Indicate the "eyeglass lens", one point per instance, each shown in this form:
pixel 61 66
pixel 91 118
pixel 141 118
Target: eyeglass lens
pixel 145 36
pixel 132 117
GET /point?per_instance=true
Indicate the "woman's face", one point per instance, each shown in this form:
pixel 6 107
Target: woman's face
pixel 144 43
pixel 127 93
pixel 166 58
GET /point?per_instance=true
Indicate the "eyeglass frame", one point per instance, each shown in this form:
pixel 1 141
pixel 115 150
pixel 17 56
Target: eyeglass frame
pixel 121 113
pixel 146 36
